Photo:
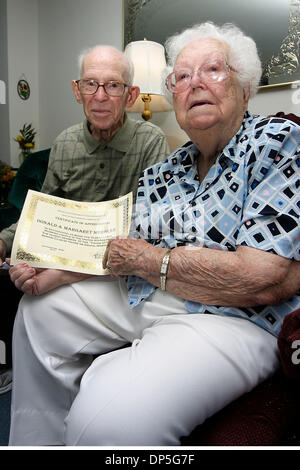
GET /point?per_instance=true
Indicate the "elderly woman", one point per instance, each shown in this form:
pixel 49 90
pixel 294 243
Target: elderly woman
pixel 188 319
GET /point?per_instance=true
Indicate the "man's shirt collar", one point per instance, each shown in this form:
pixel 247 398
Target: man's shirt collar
pixel 121 140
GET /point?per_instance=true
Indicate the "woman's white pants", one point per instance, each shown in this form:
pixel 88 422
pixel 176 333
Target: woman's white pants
pixel 174 371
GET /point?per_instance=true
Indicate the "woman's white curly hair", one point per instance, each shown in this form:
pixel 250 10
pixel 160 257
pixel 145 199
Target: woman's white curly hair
pixel 243 54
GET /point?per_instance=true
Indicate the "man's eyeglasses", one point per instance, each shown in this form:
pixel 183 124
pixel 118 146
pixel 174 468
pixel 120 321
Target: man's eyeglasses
pixel 211 72
pixel 90 87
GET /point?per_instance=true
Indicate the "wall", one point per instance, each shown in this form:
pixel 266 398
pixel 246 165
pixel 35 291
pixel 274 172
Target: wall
pixel 66 28
pixel 270 101
pixel 43 42
pixel 4 108
pixel 22 50
pixel 40 40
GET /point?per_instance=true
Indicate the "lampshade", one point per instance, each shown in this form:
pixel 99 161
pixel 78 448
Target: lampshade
pixel 149 61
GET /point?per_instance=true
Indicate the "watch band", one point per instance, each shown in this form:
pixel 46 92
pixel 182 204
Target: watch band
pixel 164 270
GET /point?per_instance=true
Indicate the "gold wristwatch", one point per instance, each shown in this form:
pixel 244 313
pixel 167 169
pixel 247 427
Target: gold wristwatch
pixel 164 270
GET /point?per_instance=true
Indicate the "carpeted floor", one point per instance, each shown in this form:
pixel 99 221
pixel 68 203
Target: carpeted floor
pixel 4 417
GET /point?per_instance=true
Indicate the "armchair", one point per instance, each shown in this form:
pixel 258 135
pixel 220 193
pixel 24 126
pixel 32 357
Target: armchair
pixel 266 416
pixel 30 175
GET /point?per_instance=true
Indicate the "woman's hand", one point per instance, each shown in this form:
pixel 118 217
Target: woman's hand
pixel 35 281
pixel 124 256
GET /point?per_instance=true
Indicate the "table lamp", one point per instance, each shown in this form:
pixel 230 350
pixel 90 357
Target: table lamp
pixel 149 61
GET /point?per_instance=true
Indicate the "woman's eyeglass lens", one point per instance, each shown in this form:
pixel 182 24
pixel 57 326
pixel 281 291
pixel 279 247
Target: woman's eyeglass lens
pixel 210 72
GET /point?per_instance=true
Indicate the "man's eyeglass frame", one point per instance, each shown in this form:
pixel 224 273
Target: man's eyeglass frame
pixel 99 84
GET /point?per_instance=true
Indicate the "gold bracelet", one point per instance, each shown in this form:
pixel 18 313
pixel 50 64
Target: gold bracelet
pixel 164 270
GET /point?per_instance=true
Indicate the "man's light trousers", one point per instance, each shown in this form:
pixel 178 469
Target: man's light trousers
pixel 159 371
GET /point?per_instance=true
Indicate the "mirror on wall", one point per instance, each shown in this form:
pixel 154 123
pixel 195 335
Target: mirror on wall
pixel 273 24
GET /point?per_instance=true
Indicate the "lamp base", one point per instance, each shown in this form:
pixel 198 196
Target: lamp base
pixel 146 115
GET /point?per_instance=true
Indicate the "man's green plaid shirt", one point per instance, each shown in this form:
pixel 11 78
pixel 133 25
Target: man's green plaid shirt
pixel 84 169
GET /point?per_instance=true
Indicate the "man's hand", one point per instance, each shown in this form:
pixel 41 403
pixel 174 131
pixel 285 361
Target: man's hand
pixel 2 252
pixel 34 281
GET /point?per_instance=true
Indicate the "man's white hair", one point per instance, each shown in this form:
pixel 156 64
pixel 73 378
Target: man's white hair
pixel 243 54
pixel 128 64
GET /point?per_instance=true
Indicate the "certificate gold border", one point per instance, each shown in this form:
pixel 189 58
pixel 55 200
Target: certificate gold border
pixel 20 252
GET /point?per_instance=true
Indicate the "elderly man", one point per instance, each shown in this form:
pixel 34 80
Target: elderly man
pixel 101 158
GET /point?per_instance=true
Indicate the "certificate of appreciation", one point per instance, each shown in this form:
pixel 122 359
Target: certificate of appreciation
pixel 63 234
